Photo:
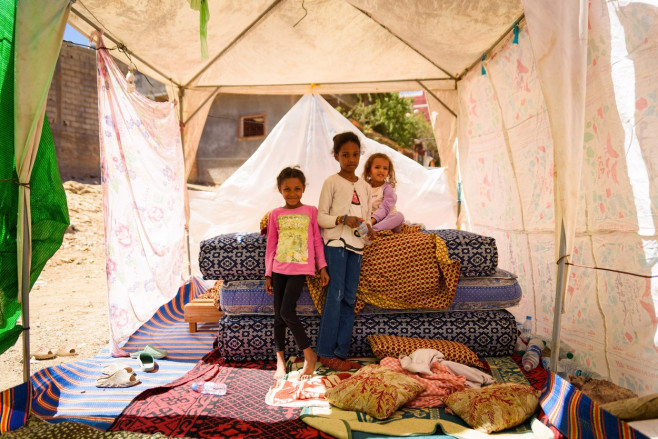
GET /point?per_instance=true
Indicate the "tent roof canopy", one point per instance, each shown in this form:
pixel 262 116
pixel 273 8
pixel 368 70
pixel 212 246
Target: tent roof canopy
pixel 274 46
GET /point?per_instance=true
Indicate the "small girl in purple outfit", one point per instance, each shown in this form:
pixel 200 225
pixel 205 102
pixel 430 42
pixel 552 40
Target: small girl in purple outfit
pixel 379 172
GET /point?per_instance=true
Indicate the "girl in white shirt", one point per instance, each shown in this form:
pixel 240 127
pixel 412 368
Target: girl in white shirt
pixel 344 205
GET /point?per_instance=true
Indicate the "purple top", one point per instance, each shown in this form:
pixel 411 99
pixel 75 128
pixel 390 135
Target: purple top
pixel 294 243
pixel 389 198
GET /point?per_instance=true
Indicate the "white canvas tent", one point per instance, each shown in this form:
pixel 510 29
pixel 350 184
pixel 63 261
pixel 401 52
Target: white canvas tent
pixel 557 132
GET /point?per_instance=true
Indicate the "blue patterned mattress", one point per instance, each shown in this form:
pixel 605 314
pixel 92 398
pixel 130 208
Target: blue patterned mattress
pixel 499 291
pixel 477 254
pixel 487 333
pixel 241 256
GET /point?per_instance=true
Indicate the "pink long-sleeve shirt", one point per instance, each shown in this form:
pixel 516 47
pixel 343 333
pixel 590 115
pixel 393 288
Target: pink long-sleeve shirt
pixel 294 243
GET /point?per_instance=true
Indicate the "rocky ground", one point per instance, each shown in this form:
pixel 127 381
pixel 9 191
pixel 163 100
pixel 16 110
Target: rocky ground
pixel 68 303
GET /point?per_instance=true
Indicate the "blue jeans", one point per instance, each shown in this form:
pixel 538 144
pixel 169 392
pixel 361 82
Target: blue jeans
pixel 335 334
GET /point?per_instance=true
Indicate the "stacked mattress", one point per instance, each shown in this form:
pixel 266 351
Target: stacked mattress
pixel 477 317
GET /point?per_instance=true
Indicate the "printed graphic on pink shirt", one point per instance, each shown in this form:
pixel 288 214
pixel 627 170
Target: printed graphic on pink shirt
pixel 293 239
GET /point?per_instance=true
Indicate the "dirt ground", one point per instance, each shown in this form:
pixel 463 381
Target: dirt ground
pixel 68 304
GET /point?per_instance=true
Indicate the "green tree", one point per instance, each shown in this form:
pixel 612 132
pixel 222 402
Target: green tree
pixel 391 116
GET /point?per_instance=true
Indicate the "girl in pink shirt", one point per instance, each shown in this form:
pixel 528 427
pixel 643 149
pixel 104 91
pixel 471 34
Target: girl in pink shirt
pixel 294 249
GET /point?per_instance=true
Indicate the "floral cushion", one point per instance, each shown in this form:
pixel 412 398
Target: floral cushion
pixel 391 346
pixel 375 390
pixel 495 407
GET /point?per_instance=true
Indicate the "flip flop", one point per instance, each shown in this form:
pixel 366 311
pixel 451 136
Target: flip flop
pixel 120 378
pixel 152 351
pixel 44 354
pixel 109 369
pixel 147 362
pixel 66 351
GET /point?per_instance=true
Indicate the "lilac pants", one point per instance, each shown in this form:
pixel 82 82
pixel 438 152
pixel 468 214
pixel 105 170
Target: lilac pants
pixel 391 222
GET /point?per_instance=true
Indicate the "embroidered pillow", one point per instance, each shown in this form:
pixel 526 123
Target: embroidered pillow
pixel 391 346
pixel 495 407
pixel 263 223
pixel 375 390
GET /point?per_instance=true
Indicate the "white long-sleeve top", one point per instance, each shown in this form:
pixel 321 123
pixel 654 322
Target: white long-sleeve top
pixel 336 199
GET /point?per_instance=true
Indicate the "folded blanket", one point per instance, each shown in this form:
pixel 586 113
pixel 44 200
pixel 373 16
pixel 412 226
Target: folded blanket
pixel 402 271
pixel 439 382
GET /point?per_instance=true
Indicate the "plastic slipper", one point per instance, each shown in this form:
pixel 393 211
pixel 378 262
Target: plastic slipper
pixel 120 378
pixel 66 351
pixel 147 362
pixel 152 351
pixel 109 369
pixel 44 354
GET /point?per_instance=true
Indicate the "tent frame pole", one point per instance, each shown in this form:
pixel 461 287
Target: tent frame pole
pixel 428 91
pixel 181 94
pixel 492 47
pixel 560 287
pixel 25 294
pixel 107 35
pixel 405 43
pixel 234 41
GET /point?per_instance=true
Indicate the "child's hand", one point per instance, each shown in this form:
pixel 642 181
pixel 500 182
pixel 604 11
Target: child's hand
pixel 353 221
pixel 373 221
pixel 324 276
pixel 371 233
pixel 268 285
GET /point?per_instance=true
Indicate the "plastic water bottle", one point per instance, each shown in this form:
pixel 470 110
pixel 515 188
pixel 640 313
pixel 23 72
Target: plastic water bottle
pixel 532 354
pixel 526 329
pixel 362 232
pixel 210 388
pixel 566 367
pixel 520 346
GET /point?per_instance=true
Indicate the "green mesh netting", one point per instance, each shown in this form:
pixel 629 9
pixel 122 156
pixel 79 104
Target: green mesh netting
pixel 50 216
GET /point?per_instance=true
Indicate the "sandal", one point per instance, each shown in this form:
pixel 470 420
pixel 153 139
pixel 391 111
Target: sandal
pixel 44 354
pixel 154 352
pixel 147 362
pixel 120 378
pixel 110 369
pixel 66 351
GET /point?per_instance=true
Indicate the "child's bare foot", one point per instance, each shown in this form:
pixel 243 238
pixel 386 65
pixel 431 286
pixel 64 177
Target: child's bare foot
pixel 309 365
pixel 280 366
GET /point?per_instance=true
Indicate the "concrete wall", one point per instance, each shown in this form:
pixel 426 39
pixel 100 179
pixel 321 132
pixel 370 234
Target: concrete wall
pixel 221 152
pixel 72 111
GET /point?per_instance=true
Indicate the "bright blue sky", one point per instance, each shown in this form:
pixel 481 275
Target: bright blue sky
pixel 74 36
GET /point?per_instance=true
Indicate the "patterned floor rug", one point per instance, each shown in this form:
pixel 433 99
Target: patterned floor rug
pixel 177 410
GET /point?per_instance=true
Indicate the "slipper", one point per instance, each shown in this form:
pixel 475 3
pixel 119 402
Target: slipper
pixel 66 351
pixel 147 362
pixel 109 369
pixel 154 352
pixel 120 378
pixel 44 354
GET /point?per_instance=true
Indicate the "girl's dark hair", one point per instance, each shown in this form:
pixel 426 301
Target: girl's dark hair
pixel 342 138
pixel 289 172
pixel 368 166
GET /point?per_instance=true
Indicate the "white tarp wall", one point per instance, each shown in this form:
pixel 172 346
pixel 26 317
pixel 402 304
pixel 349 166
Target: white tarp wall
pixel 304 137
pixel 506 151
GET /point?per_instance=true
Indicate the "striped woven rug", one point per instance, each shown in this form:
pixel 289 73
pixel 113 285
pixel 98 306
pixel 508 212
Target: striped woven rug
pixel 577 416
pixel 68 392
